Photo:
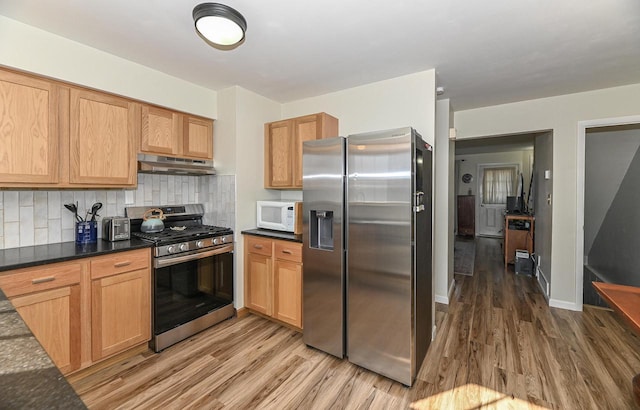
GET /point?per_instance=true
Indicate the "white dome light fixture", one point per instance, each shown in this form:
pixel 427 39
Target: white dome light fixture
pixel 219 24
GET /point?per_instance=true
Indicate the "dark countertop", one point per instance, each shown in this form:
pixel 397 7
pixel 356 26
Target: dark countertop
pixel 287 236
pixel 28 377
pixel 16 258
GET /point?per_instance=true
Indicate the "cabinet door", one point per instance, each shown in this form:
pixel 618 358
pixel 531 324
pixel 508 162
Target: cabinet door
pixel 278 146
pixel 29 136
pixel 305 129
pixel 120 312
pixel 161 133
pixel 54 318
pixel 258 283
pixel 466 215
pixel 287 284
pixel 103 134
pixel 198 137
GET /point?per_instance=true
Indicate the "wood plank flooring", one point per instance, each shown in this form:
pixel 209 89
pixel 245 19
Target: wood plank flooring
pixel 498 345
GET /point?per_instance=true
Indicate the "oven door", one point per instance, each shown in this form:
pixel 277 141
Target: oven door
pixel 187 287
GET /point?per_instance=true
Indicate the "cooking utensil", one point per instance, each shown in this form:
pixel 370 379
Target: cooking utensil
pixel 152 221
pixel 74 208
pixel 94 210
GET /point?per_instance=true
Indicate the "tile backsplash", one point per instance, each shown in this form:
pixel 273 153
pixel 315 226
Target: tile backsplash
pixel 39 217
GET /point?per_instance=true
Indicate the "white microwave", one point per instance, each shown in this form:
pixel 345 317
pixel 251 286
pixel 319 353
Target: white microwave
pixel 276 215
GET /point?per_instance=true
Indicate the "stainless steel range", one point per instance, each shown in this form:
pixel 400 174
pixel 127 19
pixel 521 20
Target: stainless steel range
pixel 192 272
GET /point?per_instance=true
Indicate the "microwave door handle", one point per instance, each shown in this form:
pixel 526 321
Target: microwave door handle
pixel 174 260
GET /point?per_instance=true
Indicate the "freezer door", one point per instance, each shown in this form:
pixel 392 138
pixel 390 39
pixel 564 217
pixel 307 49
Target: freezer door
pixel 323 166
pixel 423 278
pixel 380 289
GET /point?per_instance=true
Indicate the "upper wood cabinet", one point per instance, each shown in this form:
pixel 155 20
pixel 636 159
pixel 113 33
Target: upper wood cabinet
pixel 173 134
pixel 198 137
pixel 29 135
pixel 58 135
pixel 161 133
pixel 283 147
pixel 103 134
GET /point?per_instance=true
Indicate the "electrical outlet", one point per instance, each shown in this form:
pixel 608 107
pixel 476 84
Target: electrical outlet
pixel 548 199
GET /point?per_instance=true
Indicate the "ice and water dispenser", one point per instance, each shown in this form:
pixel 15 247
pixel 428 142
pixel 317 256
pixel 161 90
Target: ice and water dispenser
pixel 321 230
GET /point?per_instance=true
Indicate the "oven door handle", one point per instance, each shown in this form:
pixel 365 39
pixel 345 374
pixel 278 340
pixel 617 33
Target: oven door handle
pixel 161 263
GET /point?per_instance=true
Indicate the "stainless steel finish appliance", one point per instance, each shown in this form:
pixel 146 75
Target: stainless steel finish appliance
pixel 116 228
pixel 155 164
pixel 367 250
pixel 192 273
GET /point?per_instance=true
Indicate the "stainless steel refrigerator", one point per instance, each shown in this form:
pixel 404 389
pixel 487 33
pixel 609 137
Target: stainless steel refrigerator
pixel 367 287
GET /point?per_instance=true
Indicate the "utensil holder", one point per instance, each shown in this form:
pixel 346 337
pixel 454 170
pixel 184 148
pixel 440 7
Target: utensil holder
pixel 86 232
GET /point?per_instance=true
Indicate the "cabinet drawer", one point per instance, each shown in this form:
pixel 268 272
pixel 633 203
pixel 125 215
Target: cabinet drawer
pixel 102 266
pixel 290 251
pixel 259 245
pixel 39 278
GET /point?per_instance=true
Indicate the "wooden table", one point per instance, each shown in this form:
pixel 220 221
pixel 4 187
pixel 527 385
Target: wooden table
pixel 625 300
pixel 517 238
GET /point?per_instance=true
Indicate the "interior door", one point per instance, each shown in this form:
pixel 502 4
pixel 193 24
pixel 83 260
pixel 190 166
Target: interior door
pixel 490 220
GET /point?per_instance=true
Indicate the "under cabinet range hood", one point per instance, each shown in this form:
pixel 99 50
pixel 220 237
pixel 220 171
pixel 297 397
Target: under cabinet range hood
pixel 154 164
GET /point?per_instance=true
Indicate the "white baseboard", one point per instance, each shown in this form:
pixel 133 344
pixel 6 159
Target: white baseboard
pixel 442 299
pixel 445 299
pixel 564 305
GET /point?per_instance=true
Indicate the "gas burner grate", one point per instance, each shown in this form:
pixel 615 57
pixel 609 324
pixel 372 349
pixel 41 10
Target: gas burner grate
pixel 189 233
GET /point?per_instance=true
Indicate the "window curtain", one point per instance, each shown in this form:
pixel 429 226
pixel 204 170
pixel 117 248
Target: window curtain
pixel 498 185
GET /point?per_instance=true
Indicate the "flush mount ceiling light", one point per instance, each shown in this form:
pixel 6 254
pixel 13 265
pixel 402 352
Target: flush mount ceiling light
pixel 219 24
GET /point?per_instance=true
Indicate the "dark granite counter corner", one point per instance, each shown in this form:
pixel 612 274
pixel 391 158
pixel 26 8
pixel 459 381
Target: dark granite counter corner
pixel 28 377
pixel 267 233
pixel 16 258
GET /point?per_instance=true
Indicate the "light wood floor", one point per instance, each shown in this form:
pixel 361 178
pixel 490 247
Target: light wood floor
pixel 498 345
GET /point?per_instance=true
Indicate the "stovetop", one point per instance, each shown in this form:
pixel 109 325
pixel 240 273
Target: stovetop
pixel 181 233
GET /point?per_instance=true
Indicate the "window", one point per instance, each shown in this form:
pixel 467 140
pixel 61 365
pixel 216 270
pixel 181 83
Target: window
pixel 498 184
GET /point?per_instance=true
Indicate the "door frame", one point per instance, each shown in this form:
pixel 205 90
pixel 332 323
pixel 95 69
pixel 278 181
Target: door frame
pixel 580 164
pixel 479 184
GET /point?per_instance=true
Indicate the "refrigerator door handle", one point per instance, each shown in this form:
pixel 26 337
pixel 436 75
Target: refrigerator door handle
pixel 419 202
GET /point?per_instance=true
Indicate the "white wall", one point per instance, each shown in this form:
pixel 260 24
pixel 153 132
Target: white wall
pixel 608 153
pixel 398 102
pixel 443 213
pixel 30 49
pixel 560 114
pixel 241 152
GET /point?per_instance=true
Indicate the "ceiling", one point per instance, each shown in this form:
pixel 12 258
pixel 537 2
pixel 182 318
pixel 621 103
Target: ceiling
pixel 484 53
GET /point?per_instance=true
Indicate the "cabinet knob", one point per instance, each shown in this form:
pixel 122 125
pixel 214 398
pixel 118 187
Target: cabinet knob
pixel 257 246
pixel 122 264
pixel 287 251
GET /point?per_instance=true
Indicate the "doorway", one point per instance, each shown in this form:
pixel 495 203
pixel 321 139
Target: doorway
pixel 583 127
pixel 496 183
pixel 529 156
pixel 611 213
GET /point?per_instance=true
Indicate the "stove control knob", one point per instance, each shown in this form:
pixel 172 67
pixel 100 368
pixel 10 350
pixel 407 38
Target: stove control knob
pixel 223 239
pixel 171 249
pixel 184 247
pixel 200 244
pixel 215 241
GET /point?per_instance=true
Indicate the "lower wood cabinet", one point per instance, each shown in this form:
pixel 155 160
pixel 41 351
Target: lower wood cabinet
pixel 49 299
pixel 120 303
pixel 273 279
pixel 85 310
